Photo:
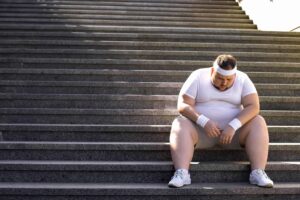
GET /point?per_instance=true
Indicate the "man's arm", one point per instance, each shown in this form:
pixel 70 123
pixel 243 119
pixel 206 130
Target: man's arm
pixel 186 107
pixel 251 109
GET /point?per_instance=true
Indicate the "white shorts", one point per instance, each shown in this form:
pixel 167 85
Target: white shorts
pixel 205 142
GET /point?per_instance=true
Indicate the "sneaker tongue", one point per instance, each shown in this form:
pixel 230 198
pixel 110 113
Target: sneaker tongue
pixel 183 171
pixel 179 173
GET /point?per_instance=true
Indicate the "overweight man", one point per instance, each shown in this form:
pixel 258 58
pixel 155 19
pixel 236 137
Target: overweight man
pixel 219 106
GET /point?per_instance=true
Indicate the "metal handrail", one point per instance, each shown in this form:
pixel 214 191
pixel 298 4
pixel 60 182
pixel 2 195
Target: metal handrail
pixel 295 28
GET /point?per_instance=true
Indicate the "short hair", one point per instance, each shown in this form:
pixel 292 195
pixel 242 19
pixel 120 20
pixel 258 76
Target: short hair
pixel 226 62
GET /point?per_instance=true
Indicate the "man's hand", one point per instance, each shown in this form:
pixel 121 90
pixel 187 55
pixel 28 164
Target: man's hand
pixel 227 135
pixel 212 129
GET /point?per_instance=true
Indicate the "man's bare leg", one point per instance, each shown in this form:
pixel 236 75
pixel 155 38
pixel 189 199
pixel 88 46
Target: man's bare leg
pixel 183 137
pixel 254 135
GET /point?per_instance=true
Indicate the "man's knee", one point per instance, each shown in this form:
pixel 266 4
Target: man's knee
pixel 181 123
pixel 258 125
pixel 259 121
pixel 255 125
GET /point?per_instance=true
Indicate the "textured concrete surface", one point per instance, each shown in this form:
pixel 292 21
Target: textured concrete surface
pixel 74 74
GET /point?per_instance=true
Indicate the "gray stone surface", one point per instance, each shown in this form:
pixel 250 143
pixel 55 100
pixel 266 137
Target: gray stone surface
pixel 204 8
pixel 225 2
pixel 152 197
pixel 146 189
pixel 61 86
pixel 120 116
pixel 182 4
pixel 143 45
pixel 145 54
pixel 136 29
pixel 136 64
pixel 157 37
pixel 118 151
pixel 114 133
pixel 142 88
pixel 136 172
pixel 86 101
pixel 130 76
pixel 140 23
pixel 96 18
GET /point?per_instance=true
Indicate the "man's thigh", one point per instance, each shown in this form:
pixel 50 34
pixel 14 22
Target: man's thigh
pixel 204 141
pixel 235 142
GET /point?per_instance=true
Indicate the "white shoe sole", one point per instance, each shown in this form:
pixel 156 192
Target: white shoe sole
pixel 178 186
pixel 270 185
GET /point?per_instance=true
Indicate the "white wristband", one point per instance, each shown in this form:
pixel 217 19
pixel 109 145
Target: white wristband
pixel 202 120
pixel 235 124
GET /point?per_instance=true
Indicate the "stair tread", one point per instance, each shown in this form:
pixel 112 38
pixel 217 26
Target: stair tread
pixel 130 84
pixel 140 61
pixel 29 96
pixel 291 113
pixel 139 165
pixel 131 72
pixel 137 146
pixel 145 34
pixel 173 44
pixel 158 30
pixel 146 189
pixel 144 52
pixel 115 127
pixel 83 3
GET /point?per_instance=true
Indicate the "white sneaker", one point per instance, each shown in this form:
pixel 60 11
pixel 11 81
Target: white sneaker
pixel 260 178
pixel 180 179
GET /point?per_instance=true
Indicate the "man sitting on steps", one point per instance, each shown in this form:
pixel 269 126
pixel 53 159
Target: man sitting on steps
pixel 219 106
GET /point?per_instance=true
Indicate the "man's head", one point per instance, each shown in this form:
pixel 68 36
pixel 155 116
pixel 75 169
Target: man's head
pixel 223 72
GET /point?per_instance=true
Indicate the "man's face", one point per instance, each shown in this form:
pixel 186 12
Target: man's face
pixel 222 82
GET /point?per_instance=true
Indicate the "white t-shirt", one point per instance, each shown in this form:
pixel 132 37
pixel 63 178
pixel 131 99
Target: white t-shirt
pixel 219 106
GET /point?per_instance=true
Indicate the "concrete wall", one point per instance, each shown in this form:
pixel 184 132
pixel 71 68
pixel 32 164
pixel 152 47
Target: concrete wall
pixel 273 15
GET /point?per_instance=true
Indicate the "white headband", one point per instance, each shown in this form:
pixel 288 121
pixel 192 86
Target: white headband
pixel 223 71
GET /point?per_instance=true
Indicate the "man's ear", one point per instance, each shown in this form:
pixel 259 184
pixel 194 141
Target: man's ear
pixel 212 71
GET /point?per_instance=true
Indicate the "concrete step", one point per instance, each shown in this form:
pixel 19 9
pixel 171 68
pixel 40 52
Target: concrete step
pixel 114 133
pixel 134 29
pixel 145 54
pixel 137 172
pixel 126 151
pixel 130 76
pixel 88 19
pixel 206 8
pixel 27 12
pixel 99 101
pixel 112 191
pixel 135 64
pixel 146 9
pixel 89 5
pixel 225 2
pixel 111 12
pixel 119 116
pixel 146 37
pixel 40 22
pixel 126 2
pixel 140 45
pixel 141 88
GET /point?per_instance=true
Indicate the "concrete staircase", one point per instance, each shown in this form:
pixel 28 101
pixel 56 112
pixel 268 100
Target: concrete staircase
pixel 88 91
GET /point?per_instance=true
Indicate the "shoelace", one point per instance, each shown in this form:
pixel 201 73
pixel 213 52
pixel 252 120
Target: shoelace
pixel 262 172
pixel 178 174
pixel 265 175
